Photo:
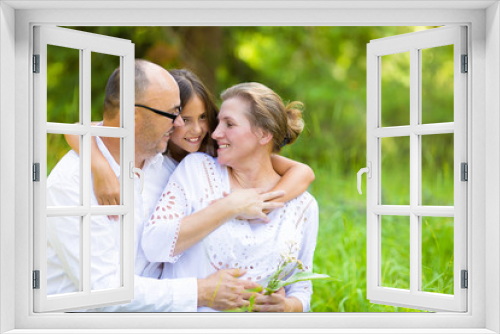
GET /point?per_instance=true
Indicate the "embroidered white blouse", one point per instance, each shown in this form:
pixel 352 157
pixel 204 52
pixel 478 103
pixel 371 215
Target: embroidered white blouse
pixel 256 247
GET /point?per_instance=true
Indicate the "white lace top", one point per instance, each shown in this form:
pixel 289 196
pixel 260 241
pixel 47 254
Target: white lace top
pixel 256 247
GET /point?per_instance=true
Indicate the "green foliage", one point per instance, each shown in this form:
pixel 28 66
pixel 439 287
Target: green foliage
pixel 299 277
pixel 325 68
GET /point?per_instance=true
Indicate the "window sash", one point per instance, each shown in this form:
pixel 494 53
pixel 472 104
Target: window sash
pixel 85 43
pixel 477 321
pixel 414 297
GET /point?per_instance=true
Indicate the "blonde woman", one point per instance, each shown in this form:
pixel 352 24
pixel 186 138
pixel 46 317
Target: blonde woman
pixel 253 126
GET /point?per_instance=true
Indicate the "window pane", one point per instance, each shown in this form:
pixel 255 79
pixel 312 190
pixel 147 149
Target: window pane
pixel 437 238
pixel 395 271
pixel 102 66
pixel 63 275
pixel 395 170
pixel 105 248
pixel 437 169
pixel 437 84
pixel 63 82
pixel 395 86
pixel 106 180
pixel 58 193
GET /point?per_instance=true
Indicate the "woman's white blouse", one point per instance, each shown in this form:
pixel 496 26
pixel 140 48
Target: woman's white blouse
pixel 256 247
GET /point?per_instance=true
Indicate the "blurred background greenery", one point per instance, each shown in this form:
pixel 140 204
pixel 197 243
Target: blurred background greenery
pixel 324 67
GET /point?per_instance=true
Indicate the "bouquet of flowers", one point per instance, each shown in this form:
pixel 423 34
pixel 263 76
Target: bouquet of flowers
pixel 289 263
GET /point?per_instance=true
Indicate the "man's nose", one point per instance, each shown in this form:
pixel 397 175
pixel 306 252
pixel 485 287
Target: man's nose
pixel 178 121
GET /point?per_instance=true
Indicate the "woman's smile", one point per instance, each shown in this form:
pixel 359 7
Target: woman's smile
pixel 222 148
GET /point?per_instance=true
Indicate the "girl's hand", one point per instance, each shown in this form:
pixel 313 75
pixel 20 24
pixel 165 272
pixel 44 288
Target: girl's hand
pixel 252 204
pixel 107 190
pixel 106 186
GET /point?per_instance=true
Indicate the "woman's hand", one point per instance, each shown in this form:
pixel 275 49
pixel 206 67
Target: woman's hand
pixel 270 303
pixel 276 302
pixel 253 204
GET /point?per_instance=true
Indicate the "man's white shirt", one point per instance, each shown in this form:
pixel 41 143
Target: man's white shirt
pixel 63 241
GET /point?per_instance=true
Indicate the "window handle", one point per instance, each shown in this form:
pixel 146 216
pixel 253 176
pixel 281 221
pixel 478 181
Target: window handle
pixel 134 170
pixel 368 171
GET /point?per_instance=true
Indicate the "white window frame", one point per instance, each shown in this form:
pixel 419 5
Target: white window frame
pixel 483 20
pixel 85 43
pixel 413 43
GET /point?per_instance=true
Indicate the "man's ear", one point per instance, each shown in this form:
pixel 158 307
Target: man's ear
pixel 138 118
pixel 136 113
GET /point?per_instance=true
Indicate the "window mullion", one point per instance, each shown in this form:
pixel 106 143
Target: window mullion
pixel 80 130
pixel 85 157
pixel 415 171
pixel 127 157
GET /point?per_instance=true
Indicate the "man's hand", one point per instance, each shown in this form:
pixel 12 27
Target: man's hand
pixel 253 204
pixel 224 291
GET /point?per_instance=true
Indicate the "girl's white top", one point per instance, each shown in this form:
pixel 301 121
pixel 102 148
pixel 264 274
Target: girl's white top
pixel 256 247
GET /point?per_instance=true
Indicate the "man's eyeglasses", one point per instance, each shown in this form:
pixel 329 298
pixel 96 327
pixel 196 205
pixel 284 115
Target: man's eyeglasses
pixel 170 115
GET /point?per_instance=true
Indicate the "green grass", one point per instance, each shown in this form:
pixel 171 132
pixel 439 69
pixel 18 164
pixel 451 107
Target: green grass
pixel 341 247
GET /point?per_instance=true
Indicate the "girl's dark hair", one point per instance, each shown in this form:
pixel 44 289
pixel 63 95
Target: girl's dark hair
pixel 190 85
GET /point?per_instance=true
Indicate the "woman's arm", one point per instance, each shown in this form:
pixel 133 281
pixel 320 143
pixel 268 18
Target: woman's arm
pixel 171 230
pixel 106 184
pixel 295 177
pixel 245 203
pixel 242 203
pixel 180 219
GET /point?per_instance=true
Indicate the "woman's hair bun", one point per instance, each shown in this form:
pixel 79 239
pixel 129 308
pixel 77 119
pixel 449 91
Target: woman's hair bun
pixel 295 123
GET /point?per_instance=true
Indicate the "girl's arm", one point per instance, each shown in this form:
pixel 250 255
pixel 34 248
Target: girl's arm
pixel 106 184
pixel 295 177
